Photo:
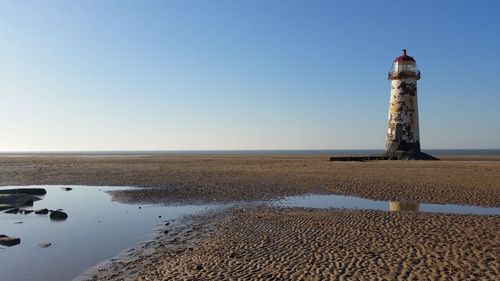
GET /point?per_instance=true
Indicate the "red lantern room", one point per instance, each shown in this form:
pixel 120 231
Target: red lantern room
pixel 404 67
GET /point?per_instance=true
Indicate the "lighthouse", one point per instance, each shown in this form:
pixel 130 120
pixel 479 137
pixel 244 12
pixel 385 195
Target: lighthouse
pixel 403 136
pixel 402 140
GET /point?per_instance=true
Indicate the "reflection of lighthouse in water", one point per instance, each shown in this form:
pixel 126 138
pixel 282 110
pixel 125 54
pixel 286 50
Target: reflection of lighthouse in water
pixel 403 135
pixel 396 206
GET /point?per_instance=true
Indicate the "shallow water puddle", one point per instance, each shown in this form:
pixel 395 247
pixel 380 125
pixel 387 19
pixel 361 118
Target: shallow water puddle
pixel 96 229
pixel 351 202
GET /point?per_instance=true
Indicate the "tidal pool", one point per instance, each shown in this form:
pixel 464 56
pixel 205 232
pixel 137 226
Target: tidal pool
pixel 96 229
pixel 351 202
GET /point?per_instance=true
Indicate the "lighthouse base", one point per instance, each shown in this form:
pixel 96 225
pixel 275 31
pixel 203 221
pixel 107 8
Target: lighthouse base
pixel 403 150
pixel 408 155
pixel 395 155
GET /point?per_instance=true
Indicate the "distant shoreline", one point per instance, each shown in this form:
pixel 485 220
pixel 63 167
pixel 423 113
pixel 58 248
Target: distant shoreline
pixel 442 152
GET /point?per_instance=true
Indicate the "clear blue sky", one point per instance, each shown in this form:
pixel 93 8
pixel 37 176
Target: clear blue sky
pixel 117 75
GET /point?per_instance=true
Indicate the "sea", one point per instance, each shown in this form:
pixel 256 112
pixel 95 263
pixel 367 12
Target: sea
pixel 442 152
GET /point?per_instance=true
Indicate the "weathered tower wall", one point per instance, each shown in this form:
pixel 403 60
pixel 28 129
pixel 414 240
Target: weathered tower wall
pixel 402 129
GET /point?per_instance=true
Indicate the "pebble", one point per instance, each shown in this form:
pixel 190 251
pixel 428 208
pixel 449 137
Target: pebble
pixel 44 245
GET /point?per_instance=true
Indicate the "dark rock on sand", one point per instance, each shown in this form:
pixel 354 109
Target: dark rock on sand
pixel 9 241
pixel 66 188
pixel 12 211
pixel 41 211
pixel 58 215
pixel 18 199
pixel 25 211
pixel 44 245
pixel 6 206
pixel 31 191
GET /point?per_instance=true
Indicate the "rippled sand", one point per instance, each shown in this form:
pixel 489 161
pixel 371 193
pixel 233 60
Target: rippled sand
pixel 301 244
pixel 232 178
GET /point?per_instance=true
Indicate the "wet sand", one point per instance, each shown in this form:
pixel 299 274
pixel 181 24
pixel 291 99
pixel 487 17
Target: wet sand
pixel 252 177
pixel 292 243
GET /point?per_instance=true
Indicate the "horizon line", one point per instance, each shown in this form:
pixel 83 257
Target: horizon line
pixel 217 150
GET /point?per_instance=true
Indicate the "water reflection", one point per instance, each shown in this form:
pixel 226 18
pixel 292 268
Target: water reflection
pixel 352 202
pixel 96 228
pixel 396 206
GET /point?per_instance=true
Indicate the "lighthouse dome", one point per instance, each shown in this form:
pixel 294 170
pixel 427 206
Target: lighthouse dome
pixel 404 57
pixel 404 67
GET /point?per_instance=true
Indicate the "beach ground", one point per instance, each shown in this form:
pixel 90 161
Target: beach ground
pixel 251 242
pixel 220 178
pixel 260 243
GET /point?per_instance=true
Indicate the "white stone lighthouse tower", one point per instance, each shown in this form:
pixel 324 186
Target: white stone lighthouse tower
pixel 403 137
pixel 402 141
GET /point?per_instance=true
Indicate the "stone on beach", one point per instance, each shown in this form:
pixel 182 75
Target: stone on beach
pixel 6 206
pixel 31 191
pixel 58 215
pixel 12 211
pixel 42 211
pixel 9 241
pixel 44 245
pixel 18 199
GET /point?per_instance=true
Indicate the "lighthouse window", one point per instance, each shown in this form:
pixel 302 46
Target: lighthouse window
pixel 404 67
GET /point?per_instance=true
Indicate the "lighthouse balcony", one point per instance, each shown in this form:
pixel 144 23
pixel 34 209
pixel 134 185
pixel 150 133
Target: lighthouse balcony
pixel 403 74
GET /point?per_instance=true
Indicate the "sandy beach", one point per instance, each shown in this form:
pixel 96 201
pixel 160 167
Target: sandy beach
pixel 303 244
pixel 209 178
pixel 254 242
